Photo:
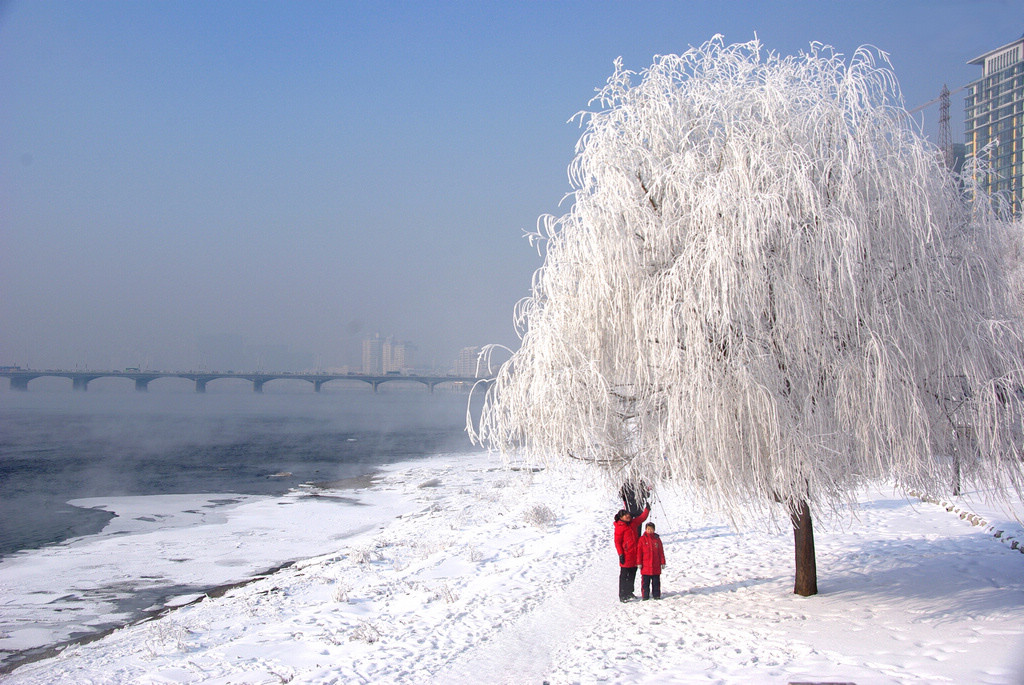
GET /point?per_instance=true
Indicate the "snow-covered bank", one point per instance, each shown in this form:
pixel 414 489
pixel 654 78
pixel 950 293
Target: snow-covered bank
pixel 509 576
pixel 163 551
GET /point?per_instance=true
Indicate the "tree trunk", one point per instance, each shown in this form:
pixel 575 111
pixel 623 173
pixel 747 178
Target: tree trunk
pixel 803 540
pixel 956 473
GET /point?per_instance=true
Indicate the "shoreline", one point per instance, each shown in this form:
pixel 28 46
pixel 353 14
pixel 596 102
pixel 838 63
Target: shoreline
pixel 162 602
pixel 510 576
pixel 34 654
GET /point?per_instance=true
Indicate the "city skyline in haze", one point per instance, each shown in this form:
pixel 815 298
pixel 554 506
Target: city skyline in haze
pixel 299 176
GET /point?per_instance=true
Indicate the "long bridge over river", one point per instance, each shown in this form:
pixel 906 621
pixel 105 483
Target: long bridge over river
pixel 19 378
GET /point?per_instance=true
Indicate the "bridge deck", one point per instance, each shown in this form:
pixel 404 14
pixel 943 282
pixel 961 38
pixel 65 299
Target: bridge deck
pixel 20 378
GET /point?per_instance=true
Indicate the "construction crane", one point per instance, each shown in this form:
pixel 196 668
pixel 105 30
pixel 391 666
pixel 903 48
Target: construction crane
pixel 945 138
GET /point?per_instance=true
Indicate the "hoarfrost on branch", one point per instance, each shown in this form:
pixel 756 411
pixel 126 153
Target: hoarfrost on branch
pixel 768 287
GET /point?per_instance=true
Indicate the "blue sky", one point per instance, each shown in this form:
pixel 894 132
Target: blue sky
pixel 183 179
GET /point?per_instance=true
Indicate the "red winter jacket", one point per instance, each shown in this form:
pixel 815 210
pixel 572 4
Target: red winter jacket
pixel 650 555
pixel 626 535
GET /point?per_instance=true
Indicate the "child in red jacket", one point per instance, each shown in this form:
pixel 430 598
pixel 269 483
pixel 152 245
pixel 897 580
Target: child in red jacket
pixel 650 555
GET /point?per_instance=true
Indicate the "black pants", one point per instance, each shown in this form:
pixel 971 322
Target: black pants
pixel 627 581
pixel 650 586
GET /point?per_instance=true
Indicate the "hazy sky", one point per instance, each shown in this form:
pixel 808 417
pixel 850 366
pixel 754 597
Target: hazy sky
pixel 183 179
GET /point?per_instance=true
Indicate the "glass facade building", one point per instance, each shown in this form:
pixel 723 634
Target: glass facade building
pixel 994 114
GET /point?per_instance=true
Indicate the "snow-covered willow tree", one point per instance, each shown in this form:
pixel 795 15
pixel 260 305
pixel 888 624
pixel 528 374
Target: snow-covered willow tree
pixel 768 287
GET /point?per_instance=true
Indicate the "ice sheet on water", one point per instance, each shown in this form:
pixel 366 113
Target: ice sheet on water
pixel 159 549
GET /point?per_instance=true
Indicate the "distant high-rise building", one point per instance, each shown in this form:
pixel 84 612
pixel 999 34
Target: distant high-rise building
pixel 373 355
pixel 397 356
pixel 994 113
pixel 386 355
pixel 467 362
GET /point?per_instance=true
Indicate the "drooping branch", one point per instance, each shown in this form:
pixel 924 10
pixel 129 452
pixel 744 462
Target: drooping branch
pixel 647 193
pixel 762 286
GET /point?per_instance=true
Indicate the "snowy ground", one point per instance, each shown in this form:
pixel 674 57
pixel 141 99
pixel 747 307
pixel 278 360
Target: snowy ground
pixel 480 574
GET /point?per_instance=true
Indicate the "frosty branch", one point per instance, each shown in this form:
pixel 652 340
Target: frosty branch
pixel 787 280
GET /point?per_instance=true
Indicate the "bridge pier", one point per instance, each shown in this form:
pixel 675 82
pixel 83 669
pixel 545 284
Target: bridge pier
pixel 317 384
pixel 19 383
pixel 200 385
pixel 141 385
pixel 257 386
pixel 79 383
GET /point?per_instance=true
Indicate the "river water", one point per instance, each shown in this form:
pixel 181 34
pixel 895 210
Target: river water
pixel 57 445
pixel 114 503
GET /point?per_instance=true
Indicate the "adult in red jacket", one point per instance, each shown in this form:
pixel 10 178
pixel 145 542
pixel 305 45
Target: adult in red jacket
pixel 627 532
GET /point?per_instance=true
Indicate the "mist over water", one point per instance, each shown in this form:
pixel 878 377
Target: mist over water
pixel 57 445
